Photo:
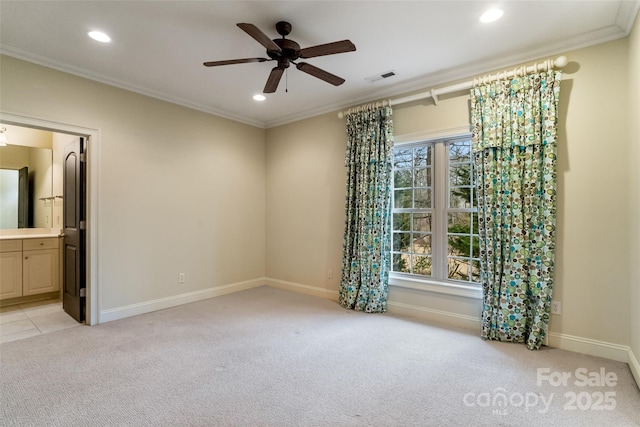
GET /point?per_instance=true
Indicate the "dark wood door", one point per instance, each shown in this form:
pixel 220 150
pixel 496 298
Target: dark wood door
pixel 23 198
pixel 74 248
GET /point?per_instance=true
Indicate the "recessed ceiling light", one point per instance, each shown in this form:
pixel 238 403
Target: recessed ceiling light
pixel 259 97
pixel 491 15
pixel 99 36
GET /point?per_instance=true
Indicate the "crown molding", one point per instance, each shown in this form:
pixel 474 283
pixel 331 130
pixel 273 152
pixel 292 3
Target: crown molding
pixel 627 13
pixel 449 75
pixel 17 53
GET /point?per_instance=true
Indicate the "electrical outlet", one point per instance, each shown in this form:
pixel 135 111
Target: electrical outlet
pixel 556 307
pixel 180 277
pixel 329 274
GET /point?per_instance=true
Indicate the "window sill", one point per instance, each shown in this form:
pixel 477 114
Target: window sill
pixel 448 288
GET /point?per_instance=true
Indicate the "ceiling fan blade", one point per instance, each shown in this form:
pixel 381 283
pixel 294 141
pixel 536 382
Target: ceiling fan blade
pixel 327 49
pixel 259 36
pixel 234 61
pixel 273 80
pixel 320 73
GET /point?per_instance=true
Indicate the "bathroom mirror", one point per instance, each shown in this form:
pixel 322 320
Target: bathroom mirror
pixel 31 151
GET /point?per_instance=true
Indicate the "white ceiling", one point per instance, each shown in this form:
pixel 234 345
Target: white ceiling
pixel 158 47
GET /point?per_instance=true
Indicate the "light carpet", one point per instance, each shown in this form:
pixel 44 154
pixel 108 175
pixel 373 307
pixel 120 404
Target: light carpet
pixel 268 357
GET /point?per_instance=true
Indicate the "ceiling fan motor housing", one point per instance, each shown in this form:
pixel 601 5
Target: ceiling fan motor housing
pixel 289 48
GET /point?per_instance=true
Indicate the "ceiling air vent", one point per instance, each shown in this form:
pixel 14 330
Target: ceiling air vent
pixel 381 76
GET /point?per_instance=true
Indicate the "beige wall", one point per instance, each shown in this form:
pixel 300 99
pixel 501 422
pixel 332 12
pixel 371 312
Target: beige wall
pixel 305 225
pixel 634 191
pixel 179 190
pixel 27 137
pixel 593 189
pixel 305 201
pixel 14 157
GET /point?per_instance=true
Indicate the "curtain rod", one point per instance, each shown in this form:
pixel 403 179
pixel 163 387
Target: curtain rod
pixel 559 62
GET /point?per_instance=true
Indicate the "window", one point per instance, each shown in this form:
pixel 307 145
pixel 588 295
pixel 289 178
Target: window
pixel 435 220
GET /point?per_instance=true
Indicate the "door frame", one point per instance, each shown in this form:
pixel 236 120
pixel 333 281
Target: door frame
pixel 92 157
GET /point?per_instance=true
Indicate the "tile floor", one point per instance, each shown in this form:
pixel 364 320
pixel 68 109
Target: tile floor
pixel 34 318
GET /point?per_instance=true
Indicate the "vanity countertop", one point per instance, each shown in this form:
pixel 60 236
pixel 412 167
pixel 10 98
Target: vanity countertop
pixel 28 236
pixel 29 233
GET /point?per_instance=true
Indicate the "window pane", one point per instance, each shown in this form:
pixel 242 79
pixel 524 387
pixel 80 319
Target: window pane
pixel 402 158
pixel 422 244
pixel 459 222
pixel 400 263
pixel 459 245
pixel 460 175
pixel 421 265
pixel 401 242
pixel 422 222
pixel 402 168
pixel 423 177
pixel 475 270
pixel 402 198
pixel 475 246
pixel 460 152
pixel 460 197
pixel 402 178
pixel 459 269
pixel 421 157
pixel 402 221
pixel 459 238
pixel 422 198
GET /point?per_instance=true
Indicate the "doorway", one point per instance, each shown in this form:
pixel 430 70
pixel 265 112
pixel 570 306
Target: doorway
pixel 91 137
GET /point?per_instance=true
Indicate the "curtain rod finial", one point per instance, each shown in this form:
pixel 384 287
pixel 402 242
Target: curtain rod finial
pixel 561 61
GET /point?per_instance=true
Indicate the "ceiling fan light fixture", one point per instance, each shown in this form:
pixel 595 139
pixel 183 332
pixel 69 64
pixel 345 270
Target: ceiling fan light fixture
pixel 259 97
pixel 491 15
pixel 99 36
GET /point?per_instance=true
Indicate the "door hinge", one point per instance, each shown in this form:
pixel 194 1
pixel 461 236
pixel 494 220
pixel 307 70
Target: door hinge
pixel 83 292
pixel 83 157
pixel 83 225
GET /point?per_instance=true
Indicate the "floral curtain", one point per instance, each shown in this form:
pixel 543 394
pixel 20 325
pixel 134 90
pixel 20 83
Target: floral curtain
pixel 515 143
pixel 367 238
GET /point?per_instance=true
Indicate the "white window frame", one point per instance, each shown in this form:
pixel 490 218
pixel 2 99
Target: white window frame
pixel 439 282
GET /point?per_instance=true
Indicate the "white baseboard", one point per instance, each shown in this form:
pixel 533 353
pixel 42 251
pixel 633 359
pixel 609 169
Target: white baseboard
pixel 607 350
pixel 432 315
pixel 304 289
pixel 175 300
pixel 634 365
pixel 588 346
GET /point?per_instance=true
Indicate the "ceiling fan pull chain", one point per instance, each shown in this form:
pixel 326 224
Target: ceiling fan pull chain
pixel 286 81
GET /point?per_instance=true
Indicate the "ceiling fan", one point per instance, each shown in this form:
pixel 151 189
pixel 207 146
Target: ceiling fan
pixel 286 51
